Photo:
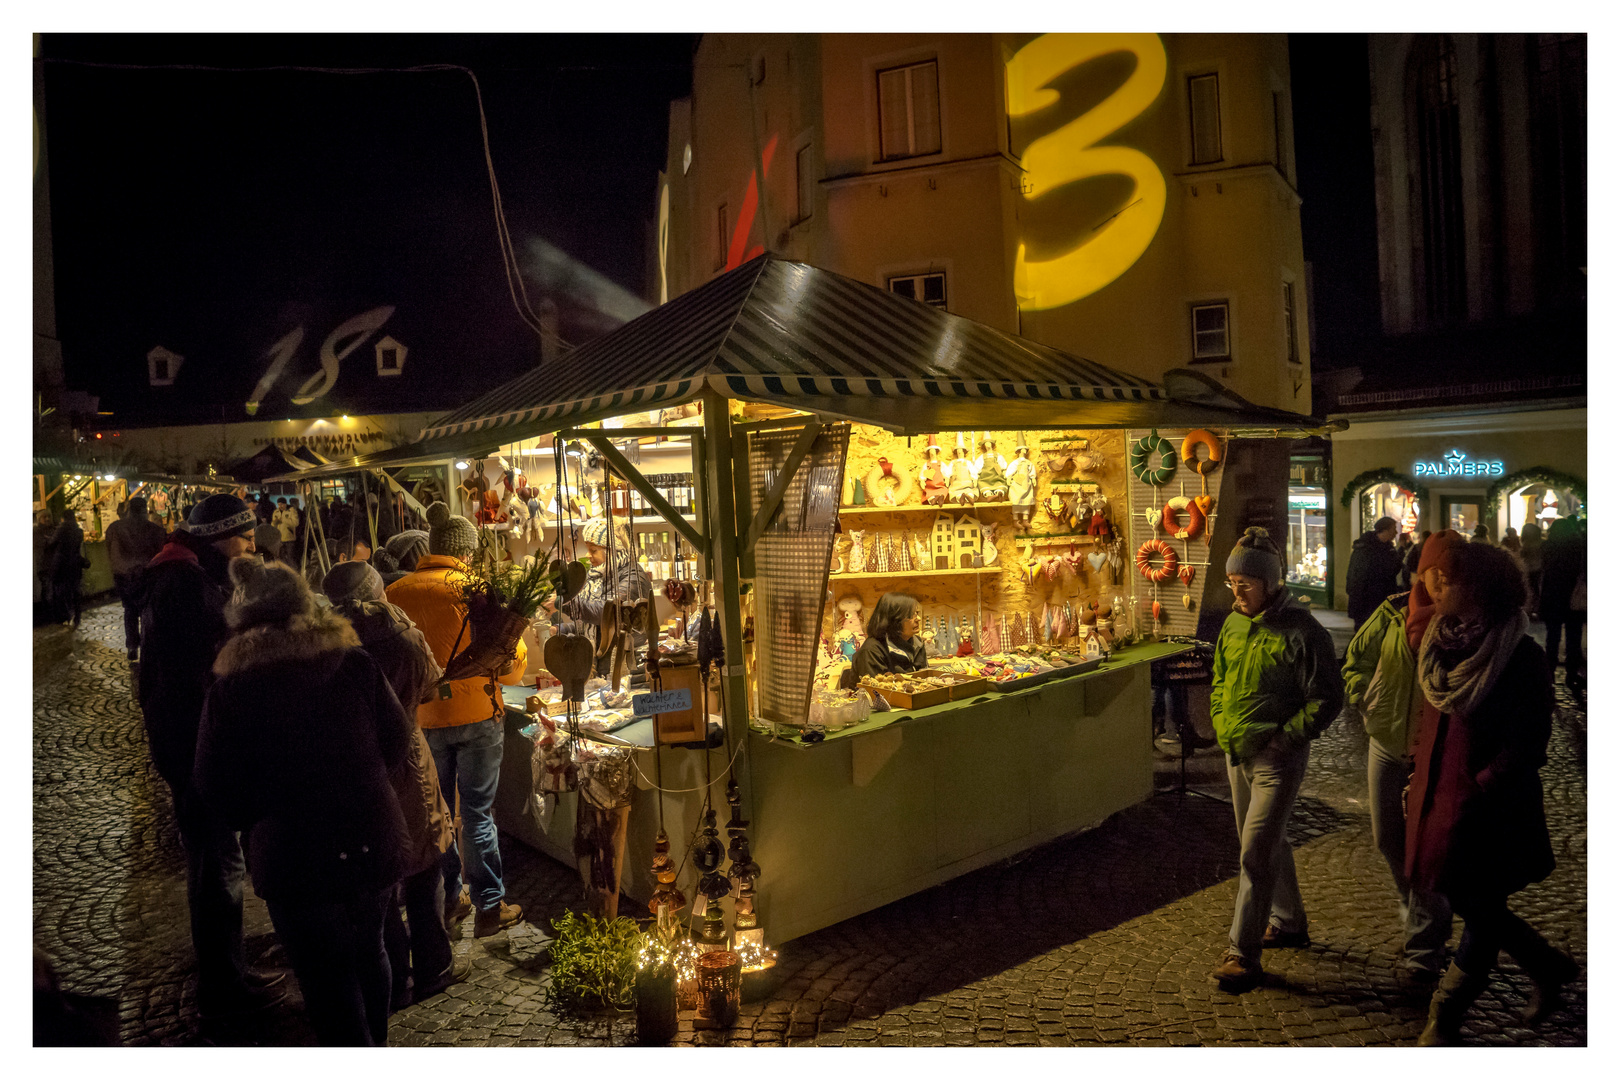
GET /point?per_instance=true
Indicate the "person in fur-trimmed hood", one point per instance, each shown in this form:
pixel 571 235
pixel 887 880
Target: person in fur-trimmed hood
pixel 422 950
pixel 311 774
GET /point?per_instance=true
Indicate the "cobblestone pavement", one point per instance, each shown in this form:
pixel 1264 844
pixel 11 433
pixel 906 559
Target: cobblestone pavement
pixel 1103 938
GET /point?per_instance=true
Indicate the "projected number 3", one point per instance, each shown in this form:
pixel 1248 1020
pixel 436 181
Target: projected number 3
pixel 1070 153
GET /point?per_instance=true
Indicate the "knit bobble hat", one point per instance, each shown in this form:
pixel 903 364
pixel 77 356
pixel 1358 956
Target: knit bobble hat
pixel 450 534
pixel 407 547
pixel 1438 547
pixel 352 581
pixel 266 594
pixel 267 538
pixel 220 517
pixel 595 531
pixel 1255 555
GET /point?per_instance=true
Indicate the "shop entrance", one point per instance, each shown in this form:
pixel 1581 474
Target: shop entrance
pixel 1461 512
pixel 1541 504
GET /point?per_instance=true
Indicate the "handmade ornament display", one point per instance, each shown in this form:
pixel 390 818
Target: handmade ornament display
pixel 1173 526
pixel 847 639
pixel 1153 459
pixel 1166 567
pixel 747 937
pixel 1021 484
pixel 987 532
pixel 887 485
pixel 990 473
pixel 942 543
pixel 931 477
pixel 857 551
pixel 969 542
pixel 666 898
pixel 960 482
pixel 1189 451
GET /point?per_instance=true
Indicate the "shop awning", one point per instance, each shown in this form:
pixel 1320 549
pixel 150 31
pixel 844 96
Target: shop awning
pixel 790 334
pixel 421 452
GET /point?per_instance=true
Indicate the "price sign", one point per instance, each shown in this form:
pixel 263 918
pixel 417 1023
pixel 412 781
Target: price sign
pixel 661 701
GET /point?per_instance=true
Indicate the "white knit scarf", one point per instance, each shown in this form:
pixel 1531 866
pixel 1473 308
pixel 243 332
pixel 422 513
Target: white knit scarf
pixel 1460 689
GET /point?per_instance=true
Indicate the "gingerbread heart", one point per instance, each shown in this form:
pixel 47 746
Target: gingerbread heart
pixel 1187 574
pixel 1187 601
pixel 571 659
pixel 572 578
pixel 1206 503
pixel 1153 517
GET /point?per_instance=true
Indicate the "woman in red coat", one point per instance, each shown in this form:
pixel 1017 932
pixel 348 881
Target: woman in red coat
pixel 1476 827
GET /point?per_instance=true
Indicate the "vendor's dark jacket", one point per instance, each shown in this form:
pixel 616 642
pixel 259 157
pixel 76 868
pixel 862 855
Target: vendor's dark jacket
pixel 1370 578
pixel 1475 820
pixel 300 737
pixel 182 597
pixel 402 653
pixel 874 658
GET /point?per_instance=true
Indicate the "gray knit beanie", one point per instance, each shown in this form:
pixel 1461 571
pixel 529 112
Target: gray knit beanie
pixel 349 581
pixel 266 593
pixel 450 534
pixel 1255 555
pixel 407 547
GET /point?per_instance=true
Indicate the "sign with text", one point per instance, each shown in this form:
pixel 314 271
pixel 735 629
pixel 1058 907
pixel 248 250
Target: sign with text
pixel 1456 463
pixel 661 701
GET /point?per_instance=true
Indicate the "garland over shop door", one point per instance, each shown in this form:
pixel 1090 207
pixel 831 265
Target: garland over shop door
pixel 791 560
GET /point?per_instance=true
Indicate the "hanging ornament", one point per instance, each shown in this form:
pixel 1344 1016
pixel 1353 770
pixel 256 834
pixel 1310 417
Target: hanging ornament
pixel 748 937
pixel 666 896
pixel 1153 459
pixel 706 855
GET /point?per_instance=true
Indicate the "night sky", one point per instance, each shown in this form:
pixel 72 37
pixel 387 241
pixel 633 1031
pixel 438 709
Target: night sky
pixel 216 213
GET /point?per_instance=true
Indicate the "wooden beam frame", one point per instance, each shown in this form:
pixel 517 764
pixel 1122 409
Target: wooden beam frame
pixel 632 476
pixel 773 495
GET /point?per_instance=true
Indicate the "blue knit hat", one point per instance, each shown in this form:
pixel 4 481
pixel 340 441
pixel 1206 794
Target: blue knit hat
pixel 220 517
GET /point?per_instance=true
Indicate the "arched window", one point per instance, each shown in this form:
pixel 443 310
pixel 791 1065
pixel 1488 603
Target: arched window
pixel 1437 177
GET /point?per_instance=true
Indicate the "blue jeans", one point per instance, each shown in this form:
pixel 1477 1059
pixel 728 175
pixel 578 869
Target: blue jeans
pixel 214 874
pixel 1263 793
pixel 1425 915
pixel 336 950
pixel 468 758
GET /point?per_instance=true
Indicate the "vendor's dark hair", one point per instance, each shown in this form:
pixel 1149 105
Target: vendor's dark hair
pixel 1493 576
pixel 889 613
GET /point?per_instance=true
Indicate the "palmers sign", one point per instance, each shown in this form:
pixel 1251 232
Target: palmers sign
pixel 1456 463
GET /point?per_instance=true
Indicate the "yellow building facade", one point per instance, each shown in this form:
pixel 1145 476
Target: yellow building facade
pixel 1126 197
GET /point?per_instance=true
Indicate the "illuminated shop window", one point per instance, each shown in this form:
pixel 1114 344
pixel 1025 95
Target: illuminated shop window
pixel 1211 341
pixel 1290 324
pixel 929 288
pixel 908 111
pixel 1204 106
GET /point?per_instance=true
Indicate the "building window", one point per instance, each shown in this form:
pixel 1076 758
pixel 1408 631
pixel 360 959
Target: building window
pixel 1211 341
pixel 1290 324
pixel 929 288
pixel 722 236
pixel 1558 165
pixel 1280 131
pixel 1204 106
pixel 908 111
pixel 1433 75
pixel 807 183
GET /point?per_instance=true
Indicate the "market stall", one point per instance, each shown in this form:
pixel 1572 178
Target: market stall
pixel 1079 516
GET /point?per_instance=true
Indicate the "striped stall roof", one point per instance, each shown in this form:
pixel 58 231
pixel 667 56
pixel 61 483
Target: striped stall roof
pixel 782 331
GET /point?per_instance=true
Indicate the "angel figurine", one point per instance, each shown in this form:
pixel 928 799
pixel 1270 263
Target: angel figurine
pixel 990 472
pixel 961 481
pixel 1021 484
pixel 931 478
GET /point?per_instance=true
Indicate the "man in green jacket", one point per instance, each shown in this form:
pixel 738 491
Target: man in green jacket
pixel 1379 681
pixel 1276 687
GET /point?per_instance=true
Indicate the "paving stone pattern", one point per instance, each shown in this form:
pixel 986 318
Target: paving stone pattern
pixel 1104 938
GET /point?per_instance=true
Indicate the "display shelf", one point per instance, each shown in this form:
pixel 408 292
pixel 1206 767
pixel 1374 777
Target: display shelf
pixel 1048 539
pixel 980 508
pixel 995 569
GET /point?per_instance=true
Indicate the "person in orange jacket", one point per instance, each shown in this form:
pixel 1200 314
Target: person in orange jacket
pixel 465 727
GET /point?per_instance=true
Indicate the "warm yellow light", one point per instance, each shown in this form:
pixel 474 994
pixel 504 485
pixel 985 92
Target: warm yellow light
pixel 1070 154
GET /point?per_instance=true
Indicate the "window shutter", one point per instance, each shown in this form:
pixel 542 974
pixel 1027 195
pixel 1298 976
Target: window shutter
pixel 925 108
pixel 1204 98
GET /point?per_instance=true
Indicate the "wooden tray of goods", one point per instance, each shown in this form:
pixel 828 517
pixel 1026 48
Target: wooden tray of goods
pixel 1066 664
pixel 917 691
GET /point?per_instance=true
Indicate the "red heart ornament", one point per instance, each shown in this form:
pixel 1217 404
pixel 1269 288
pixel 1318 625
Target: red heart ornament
pixel 1187 574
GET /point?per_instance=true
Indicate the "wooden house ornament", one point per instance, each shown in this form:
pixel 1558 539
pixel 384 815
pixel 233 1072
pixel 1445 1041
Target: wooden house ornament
pixel 968 542
pixel 943 542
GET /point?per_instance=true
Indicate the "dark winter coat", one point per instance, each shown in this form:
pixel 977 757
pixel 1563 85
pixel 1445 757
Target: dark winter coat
pixel 393 641
pixel 300 736
pixel 182 597
pixel 874 658
pixel 1475 822
pixel 1370 578
pixel 67 553
pixel 1563 558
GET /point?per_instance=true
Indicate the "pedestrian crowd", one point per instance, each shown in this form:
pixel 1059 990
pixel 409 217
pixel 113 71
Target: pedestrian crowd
pixel 1457 702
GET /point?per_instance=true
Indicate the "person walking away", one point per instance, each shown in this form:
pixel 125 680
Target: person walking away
pixel 267 542
pixel 182 598
pixel 309 779
pixel 44 532
pixel 264 509
pixel 1563 562
pixel 1476 825
pixel 1510 540
pixel 1276 688
pixel 132 541
pixel 624 582
pixel 1481 535
pixel 422 951
pixel 67 568
pixel 465 729
pixel 1380 682
pixel 1371 574
pixel 407 549
pixel 1530 542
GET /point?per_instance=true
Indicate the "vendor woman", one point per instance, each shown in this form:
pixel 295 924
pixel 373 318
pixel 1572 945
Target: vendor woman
pixel 893 643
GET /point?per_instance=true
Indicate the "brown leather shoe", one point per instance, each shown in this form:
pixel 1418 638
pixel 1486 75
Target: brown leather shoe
pixel 1236 974
pixel 1276 937
pixel 496 919
pixel 458 909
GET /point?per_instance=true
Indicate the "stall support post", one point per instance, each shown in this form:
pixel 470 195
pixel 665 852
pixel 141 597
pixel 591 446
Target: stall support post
pixel 722 530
